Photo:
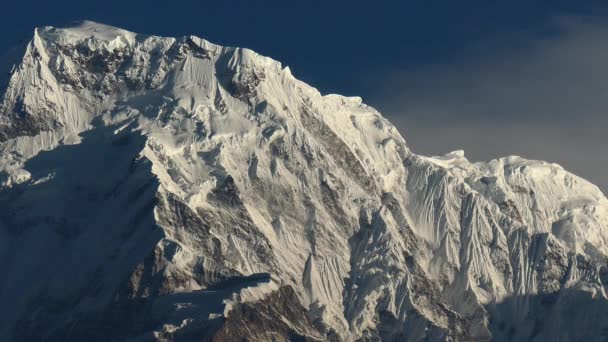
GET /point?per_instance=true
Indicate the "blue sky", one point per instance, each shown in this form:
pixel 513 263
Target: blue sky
pixel 328 42
pixel 489 77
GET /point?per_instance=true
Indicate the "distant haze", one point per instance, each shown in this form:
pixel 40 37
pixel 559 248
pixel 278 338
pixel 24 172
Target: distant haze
pixel 537 97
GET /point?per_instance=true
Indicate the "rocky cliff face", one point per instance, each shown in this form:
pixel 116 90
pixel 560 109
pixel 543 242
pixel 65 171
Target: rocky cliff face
pixel 172 189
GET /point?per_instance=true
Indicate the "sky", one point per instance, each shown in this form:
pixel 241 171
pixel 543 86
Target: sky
pixel 492 78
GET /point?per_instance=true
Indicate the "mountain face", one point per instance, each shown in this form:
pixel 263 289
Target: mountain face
pixel 172 189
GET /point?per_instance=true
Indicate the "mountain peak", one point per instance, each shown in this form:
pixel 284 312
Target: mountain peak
pixel 176 189
pixel 87 29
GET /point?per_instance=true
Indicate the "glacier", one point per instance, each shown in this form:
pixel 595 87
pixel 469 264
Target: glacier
pixel 157 188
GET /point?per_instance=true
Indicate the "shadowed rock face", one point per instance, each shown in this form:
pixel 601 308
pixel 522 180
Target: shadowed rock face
pixel 66 254
pixel 168 189
pixel 278 317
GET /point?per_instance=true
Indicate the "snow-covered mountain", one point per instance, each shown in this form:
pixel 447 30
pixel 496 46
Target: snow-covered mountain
pixel 158 188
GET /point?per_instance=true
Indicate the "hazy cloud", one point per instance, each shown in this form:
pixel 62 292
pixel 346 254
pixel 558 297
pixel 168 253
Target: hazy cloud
pixel 541 96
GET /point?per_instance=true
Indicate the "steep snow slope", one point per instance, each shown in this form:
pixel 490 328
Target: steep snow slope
pixel 162 188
